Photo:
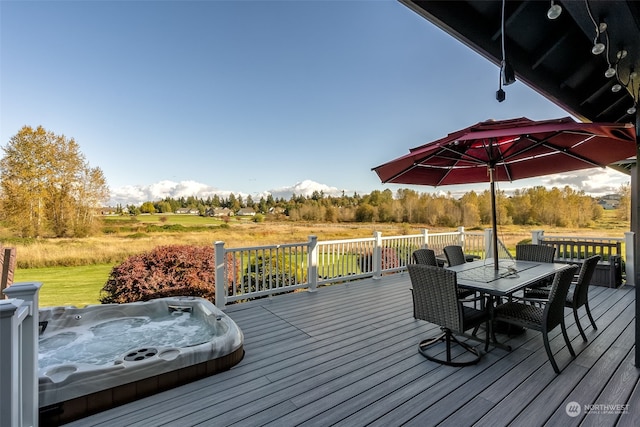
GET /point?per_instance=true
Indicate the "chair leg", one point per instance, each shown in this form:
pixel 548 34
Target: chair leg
pixel 593 323
pixel 547 347
pixel 575 316
pixel 482 307
pixel 430 341
pixel 447 337
pixel 566 339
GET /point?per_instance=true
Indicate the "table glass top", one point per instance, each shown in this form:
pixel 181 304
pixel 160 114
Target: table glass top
pixel 487 274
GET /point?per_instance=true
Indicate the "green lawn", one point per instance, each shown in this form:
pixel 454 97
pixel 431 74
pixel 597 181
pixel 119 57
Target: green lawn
pixel 185 220
pixel 77 286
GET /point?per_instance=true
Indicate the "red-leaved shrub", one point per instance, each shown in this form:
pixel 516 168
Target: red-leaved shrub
pixel 162 272
pixel 389 260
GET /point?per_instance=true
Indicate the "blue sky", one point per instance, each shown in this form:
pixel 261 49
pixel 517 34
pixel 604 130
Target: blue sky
pixel 174 98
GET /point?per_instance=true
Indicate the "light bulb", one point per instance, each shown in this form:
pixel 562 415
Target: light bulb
pixel 616 88
pixel 621 54
pixel 554 11
pixel 598 48
pixel 610 72
pixel 631 110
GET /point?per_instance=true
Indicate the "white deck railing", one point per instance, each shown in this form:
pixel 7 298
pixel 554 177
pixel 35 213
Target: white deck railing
pixel 19 355
pixel 254 272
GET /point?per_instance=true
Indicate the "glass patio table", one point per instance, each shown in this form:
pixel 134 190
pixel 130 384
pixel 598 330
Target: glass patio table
pixel 511 276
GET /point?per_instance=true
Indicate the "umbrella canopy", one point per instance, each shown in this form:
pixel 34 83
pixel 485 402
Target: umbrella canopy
pixel 511 149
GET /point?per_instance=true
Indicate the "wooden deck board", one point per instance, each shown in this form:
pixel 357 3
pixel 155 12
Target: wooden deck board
pixel 542 382
pixel 347 355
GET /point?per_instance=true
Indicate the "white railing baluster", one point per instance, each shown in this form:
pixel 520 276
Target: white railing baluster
pixel 377 256
pixel 312 254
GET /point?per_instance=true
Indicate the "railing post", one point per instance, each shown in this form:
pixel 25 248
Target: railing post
pixel 536 236
pixel 312 254
pixel 461 236
pixel 220 277
pixel 10 399
pixel 629 257
pixel 488 242
pixel 425 236
pixel 377 255
pixel 25 390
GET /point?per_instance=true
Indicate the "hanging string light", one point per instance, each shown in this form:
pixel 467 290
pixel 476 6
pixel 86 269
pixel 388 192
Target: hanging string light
pixel 554 11
pixel 598 46
pixel 507 75
pixel 632 85
pixel 610 72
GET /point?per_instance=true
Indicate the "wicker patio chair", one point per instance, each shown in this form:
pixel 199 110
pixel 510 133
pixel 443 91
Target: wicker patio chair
pixel 578 294
pixel 435 299
pixel 536 253
pixel 454 254
pixel 425 257
pixel 428 257
pixel 542 319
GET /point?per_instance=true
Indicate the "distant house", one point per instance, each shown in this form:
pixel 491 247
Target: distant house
pixel 187 211
pixel 108 210
pixel 610 201
pixel 609 204
pixel 219 212
pixel 246 212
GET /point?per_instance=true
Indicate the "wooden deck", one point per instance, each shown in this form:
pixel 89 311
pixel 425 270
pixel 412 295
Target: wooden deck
pixel 347 355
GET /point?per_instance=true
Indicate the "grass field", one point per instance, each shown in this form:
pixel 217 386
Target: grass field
pixel 74 270
pixel 77 286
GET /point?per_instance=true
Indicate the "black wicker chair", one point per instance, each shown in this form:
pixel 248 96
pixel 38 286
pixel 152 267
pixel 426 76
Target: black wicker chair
pixel 425 257
pixel 454 254
pixel 536 253
pixel 578 296
pixel 428 257
pixel 543 319
pixel 435 299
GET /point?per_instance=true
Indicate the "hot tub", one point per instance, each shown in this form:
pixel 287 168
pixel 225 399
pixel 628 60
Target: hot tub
pixel 101 356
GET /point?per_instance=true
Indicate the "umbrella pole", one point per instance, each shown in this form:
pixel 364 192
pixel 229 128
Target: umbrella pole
pixel 494 223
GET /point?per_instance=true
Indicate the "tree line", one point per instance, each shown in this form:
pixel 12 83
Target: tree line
pixel 48 189
pixel 561 207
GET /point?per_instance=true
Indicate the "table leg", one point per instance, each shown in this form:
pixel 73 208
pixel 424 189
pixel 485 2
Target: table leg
pixel 491 303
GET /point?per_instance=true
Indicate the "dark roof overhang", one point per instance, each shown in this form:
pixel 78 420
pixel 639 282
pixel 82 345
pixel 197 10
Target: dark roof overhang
pixel 552 56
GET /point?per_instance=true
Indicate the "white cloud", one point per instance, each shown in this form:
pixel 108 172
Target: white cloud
pixel 305 188
pixel 595 182
pixel 138 194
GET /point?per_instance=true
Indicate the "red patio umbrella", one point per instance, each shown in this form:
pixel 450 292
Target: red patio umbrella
pixel 508 150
